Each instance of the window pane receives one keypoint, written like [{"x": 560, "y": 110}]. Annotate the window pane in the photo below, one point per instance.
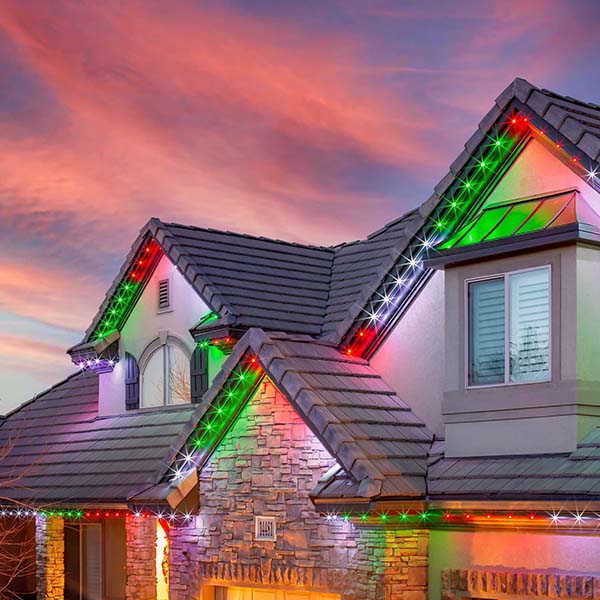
[
  {"x": 91, "y": 562},
  {"x": 530, "y": 325},
  {"x": 153, "y": 380},
  {"x": 179, "y": 376},
  {"x": 486, "y": 332}
]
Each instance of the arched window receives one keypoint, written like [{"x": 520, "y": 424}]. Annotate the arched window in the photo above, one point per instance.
[{"x": 165, "y": 363}]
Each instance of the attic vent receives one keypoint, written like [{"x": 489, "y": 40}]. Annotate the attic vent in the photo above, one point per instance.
[
  {"x": 164, "y": 299},
  {"x": 265, "y": 529}
]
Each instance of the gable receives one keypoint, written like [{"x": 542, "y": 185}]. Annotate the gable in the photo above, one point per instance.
[
  {"x": 539, "y": 171},
  {"x": 146, "y": 324},
  {"x": 373, "y": 434},
  {"x": 268, "y": 449},
  {"x": 147, "y": 320},
  {"x": 571, "y": 129}
]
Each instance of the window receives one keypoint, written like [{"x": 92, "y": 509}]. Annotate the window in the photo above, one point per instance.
[
  {"x": 94, "y": 556},
  {"x": 509, "y": 328},
  {"x": 167, "y": 363},
  {"x": 83, "y": 562}
]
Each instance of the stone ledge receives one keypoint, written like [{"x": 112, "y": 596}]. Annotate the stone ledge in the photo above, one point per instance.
[{"x": 539, "y": 584}]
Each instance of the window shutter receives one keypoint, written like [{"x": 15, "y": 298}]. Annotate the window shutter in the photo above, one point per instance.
[
  {"x": 530, "y": 325},
  {"x": 198, "y": 374},
  {"x": 132, "y": 382},
  {"x": 486, "y": 299}
]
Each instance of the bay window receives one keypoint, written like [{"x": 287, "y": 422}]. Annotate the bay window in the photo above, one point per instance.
[{"x": 509, "y": 328}]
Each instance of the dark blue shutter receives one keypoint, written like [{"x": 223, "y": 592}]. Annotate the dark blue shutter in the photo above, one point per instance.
[
  {"x": 199, "y": 374},
  {"x": 132, "y": 382}
]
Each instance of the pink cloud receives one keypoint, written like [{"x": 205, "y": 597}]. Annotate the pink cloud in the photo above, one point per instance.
[{"x": 50, "y": 297}]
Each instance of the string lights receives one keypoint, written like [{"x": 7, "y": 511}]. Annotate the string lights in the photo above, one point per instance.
[
  {"x": 81, "y": 514},
  {"x": 488, "y": 162},
  {"x": 128, "y": 290},
  {"x": 422, "y": 518},
  {"x": 222, "y": 343},
  {"x": 221, "y": 413},
  {"x": 99, "y": 365},
  {"x": 427, "y": 518}
]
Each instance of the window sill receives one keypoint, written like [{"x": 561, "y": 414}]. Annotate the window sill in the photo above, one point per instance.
[{"x": 505, "y": 384}]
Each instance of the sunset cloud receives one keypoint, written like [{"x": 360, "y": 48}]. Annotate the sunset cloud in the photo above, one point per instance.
[{"x": 309, "y": 121}]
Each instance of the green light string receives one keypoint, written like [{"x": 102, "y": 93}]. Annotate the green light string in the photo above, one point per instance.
[
  {"x": 470, "y": 188},
  {"x": 128, "y": 291},
  {"x": 427, "y": 518},
  {"x": 219, "y": 416}
]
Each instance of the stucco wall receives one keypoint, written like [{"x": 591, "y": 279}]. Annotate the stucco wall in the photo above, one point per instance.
[
  {"x": 513, "y": 551},
  {"x": 267, "y": 465},
  {"x": 143, "y": 327},
  {"x": 538, "y": 171},
  {"x": 412, "y": 358},
  {"x": 530, "y": 418}
]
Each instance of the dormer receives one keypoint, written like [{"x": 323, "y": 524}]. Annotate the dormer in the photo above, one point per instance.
[
  {"x": 146, "y": 342},
  {"x": 522, "y": 278},
  {"x": 186, "y": 295}
]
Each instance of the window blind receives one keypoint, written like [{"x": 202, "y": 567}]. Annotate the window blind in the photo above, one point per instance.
[
  {"x": 486, "y": 299},
  {"x": 530, "y": 325}
]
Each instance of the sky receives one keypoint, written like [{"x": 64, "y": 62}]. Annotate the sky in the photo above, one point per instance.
[{"x": 313, "y": 121}]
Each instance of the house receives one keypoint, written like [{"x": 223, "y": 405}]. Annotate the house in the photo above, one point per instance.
[{"x": 416, "y": 413}]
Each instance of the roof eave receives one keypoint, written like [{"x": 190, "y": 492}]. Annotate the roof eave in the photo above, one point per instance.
[{"x": 502, "y": 247}]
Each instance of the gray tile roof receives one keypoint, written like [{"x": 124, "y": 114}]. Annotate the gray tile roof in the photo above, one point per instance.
[
  {"x": 308, "y": 292},
  {"x": 320, "y": 290},
  {"x": 262, "y": 282},
  {"x": 60, "y": 450},
  {"x": 555, "y": 476},
  {"x": 371, "y": 432},
  {"x": 578, "y": 121},
  {"x": 358, "y": 267},
  {"x": 272, "y": 284}
]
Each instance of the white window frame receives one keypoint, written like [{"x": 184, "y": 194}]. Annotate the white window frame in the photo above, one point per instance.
[
  {"x": 505, "y": 275},
  {"x": 158, "y": 346}
]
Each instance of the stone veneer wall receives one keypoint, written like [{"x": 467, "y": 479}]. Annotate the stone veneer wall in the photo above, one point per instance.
[
  {"x": 50, "y": 558},
  {"x": 267, "y": 465},
  {"x": 141, "y": 558},
  {"x": 521, "y": 583}
]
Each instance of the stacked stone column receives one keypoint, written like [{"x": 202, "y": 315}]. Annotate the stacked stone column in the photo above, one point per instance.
[
  {"x": 50, "y": 557},
  {"x": 141, "y": 558}
]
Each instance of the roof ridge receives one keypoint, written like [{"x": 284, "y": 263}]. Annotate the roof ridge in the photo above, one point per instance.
[
  {"x": 334, "y": 434},
  {"x": 570, "y": 99},
  {"x": 245, "y": 235},
  {"x": 405, "y": 215}
]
